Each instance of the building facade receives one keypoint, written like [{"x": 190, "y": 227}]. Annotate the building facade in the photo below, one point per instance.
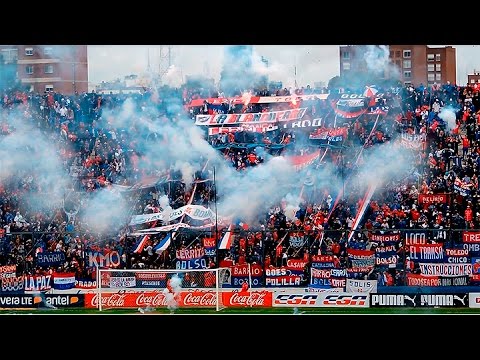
[
  {"x": 59, "y": 68},
  {"x": 411, "y": 64},
  {"x": 474, "y": 78}
]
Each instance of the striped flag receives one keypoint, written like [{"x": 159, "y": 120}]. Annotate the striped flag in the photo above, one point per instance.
[
  {"x": 226, "y": 241},
  {"x": 163, "y": 244},
  {"x": 140, "y": 244}
]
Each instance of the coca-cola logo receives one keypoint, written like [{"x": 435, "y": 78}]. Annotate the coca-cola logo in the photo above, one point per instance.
[
  {"x": 109, "y": 300},
  {"x": 149, "y": 299},
  {"x": 200, "y": 299},
  {"x": 252, "y": 299}
]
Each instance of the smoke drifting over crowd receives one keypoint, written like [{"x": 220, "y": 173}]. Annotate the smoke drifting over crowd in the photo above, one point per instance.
[{"x": 30, "y": 157}]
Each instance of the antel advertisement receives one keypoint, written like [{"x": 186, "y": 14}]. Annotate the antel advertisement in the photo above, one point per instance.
[
  {"x": 320, "y": 299},
  {"x": 419, "y": 300},
  {"x": 474, "y": 300},
  {"x": 30, "y": 301}
]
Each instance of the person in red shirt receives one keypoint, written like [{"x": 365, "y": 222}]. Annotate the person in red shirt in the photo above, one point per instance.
[{"x": 468, "y": 214}]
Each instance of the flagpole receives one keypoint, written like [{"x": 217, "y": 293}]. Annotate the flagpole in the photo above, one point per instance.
[{"x": 216, "y": 215}]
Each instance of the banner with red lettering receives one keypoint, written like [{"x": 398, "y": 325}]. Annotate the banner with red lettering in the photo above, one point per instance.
[
  {"x": 296, "y": 266},
  {"x": 238, "y": 100},
  {"x": 250, "y": 118},
  {"x": 444, "y": 269}
]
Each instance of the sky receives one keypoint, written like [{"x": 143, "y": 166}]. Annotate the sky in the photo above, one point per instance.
[{"x": 305, "y": 64}]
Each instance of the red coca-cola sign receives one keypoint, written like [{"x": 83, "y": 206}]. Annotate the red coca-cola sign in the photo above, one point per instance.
[
  {"x": 247, "y": 298},
  {"x": 197, "y": 298}
]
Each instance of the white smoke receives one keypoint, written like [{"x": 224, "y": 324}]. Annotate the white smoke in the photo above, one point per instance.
[
  {"x": 173, "y": 77},
  {"x": 172, "y": 296},
  {"x": 105, "y": 211},
  {"x": 292, "y": 206},
  {"x": 377, "y": 58},
  {"x": 447, "y": 114}
]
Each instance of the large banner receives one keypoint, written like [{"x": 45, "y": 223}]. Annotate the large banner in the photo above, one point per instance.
[
  {"x": 255, "y": 128},
  {"x": 422, "y": 280},
  {"x": 281, "y": 277},
  {"x": 361, "y": 258},
  {"x": 252, "y": 274},
  {"x": 432, "y": 253},
  {"x": 190, "y": 259},
  {"x": 38, "y": 282},
  {"x": 238, "y": 100},
  {"x": 444, "y": 269},
  {"x": 328, "y": 278},
  {"x": 413, "y": 141},
  {"x": 262, "y": 117},
  {"x": 103, "y": 261},
  {"x": 50, "y": 258},
  {"x": 196, "y": 212},
  {"x": 330, "y": 136},
  {"x": 63, "y": 281},
  {"x": 360, "y": 286},
  {"x": 427, "y": 199},
  {"x": 471, "y": 242}
]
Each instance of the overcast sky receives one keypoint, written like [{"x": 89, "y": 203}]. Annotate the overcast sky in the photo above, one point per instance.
[{"x": 313, "y": 63}]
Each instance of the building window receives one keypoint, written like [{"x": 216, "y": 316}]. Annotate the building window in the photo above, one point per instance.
[
  {"x": 48, "y": 69},
  {"x": 47, "y": 50},
  {"x": 391, "y": 54},
  {"x": 29, "y": 51},
  {"x": 407, "y": 74},
  {"x": 438, "y": 57},
  {"x": 431, "y": 77},
  {"x": 346, "y": 55},
  {"x": 10, "y": 55},
  {"x": 48, "y": 88},
  {"x": 397, "y": 53},
  {"x": 472, "y": 81},
  {"x": 431, "y": 67},
  {"x": 407, "y": 54},
  {"x": 438, "y": 67},
  {"x": 430, "y": 57},
  {"x": 29, "y": 69},
  {"x": 407, "y": 64},
  {"x": 346, "y": 66},
  {"x": 438, "y": 77},
  {"x": 398, "y": 62}
]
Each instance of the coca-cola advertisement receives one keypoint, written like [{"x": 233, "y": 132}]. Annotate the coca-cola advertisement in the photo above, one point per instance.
[
  {"x": 247, "y": 298},
  {"x": 124, "y": 299}
]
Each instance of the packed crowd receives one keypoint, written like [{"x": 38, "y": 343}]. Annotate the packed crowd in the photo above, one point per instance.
[{"x": 99, "y": 151}]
